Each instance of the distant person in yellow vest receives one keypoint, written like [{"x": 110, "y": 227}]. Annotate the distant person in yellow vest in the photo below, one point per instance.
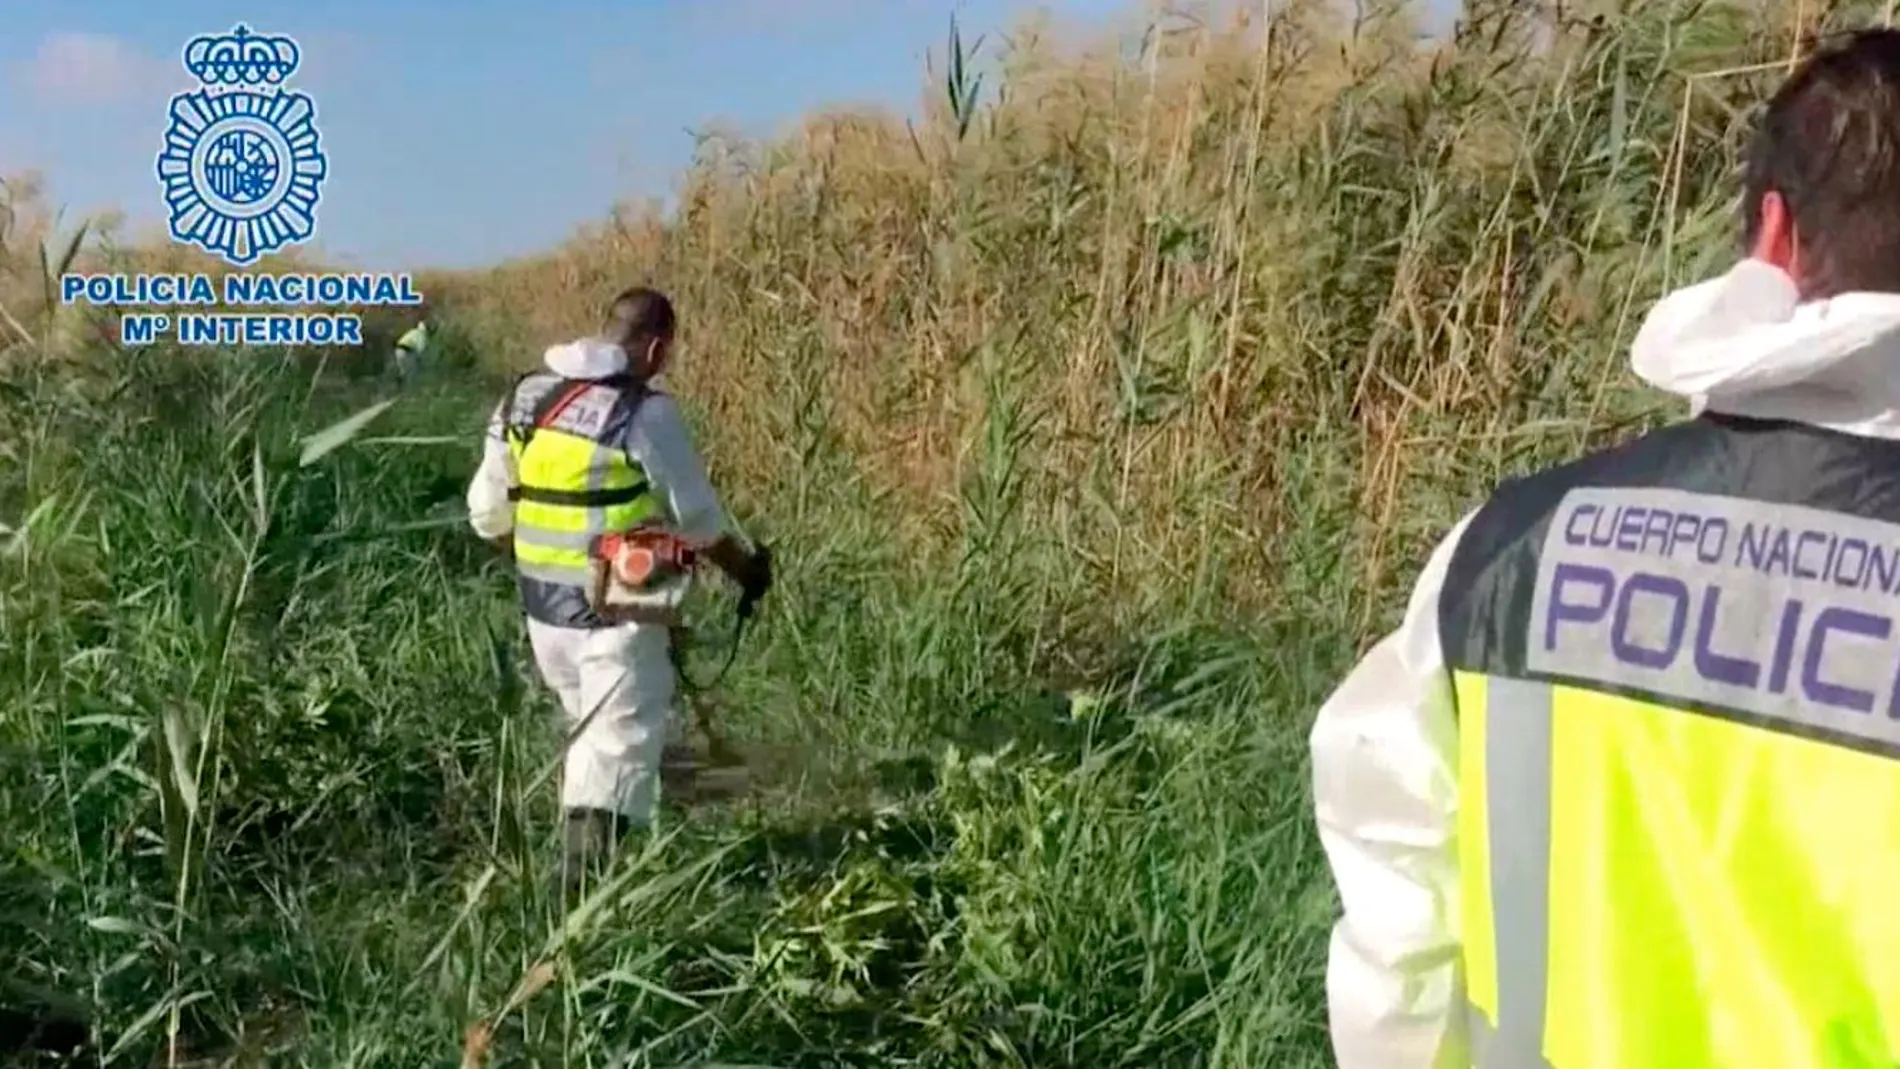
[
  {"x": 582, "y": 447},
  {"x": 1623, "y": 790},
  {"x": 410, "y": 349}
]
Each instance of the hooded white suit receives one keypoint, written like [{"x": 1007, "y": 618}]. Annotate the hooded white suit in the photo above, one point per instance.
[
  {"x": 1384, "y": 746},
  {"x": 618, "y": 679}
]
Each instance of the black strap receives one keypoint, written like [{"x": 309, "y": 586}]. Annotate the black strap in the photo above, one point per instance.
[
  {"x": 742, "y": 615},
  {"x": 585, "y": 499},
  {"x": 676, "y": 649}
]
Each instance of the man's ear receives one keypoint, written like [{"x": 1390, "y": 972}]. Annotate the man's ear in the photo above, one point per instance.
[{"x": 1775, "y": 240}]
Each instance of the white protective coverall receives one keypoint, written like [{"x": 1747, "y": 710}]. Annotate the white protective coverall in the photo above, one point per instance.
[
  {"x": 1384, "y": 746},
  {"x": 625, "y": 670}
]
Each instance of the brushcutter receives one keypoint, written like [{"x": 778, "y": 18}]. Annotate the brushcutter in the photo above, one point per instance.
[
  {"x": 623, "y": 566},
  {"x": 628, "y": 564}
]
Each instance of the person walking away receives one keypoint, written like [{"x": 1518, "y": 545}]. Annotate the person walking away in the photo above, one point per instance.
[
  {"x": 409, "y": 350},
  {"x": 584, "y": 446},
  {"x": 1622, "y": 789}
]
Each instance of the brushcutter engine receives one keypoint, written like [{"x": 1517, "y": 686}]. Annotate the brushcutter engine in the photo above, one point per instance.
[
  {"x": 627, "y": 564},
  {"x": 648, "y": 555}
]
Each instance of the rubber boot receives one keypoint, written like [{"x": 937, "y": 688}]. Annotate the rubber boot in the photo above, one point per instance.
[{"x": 588, "y": 843}]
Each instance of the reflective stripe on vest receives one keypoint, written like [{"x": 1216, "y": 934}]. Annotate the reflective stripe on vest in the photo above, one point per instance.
[
  {"x": 1504, "y": 851},
  {"x": 1676, "y": 667},
  {"x": 573, "y": 488}
]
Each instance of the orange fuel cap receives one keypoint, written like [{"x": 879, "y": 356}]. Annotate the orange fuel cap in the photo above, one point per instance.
[{"x": 633, "y": 563}]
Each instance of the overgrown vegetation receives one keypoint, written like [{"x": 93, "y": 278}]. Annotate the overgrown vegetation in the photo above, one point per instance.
[{"x": 1096, "y": 421}]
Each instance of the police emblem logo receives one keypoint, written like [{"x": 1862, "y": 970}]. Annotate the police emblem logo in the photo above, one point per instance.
[{"x": 241, "y": 167}]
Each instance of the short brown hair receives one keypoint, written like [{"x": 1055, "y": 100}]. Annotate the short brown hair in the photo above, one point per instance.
[
  {"x": 638, "y": 315},
  {"x": 1829, "y": 143}
]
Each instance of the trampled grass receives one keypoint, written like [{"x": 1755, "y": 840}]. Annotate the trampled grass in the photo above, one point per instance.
[{"x": 1095, "y": 429}]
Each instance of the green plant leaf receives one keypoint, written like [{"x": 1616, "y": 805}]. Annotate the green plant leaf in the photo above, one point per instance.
[{"x": 338, "y": 434}]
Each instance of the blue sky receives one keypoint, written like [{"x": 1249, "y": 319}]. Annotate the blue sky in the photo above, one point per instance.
[{"x": 463, "y": 131}]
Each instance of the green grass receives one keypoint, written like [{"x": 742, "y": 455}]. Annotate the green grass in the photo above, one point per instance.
[{"x": 277, "y": 772}]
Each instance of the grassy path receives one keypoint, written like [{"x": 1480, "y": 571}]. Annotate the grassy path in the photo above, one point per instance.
[{"x": 276, "y": 775}]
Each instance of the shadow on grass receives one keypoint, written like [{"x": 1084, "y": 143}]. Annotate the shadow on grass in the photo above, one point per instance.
[{"x": 38, "y": 1028}]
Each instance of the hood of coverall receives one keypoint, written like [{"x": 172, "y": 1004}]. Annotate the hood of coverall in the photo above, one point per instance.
[
  {"x": 588, "y": 358},
  {"x": 1745, "y": 344},
  {"x": 591, "y": 358}
]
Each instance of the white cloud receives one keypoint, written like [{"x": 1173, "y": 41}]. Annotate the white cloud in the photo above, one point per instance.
[{"x": 90, "y": 68}]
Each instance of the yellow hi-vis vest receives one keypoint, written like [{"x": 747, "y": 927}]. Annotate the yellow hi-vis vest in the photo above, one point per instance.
[
  {"x": 415, "y": 339},
  {"x": 1675, "y": 669},
  {"x": 575, "y": 478}
]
